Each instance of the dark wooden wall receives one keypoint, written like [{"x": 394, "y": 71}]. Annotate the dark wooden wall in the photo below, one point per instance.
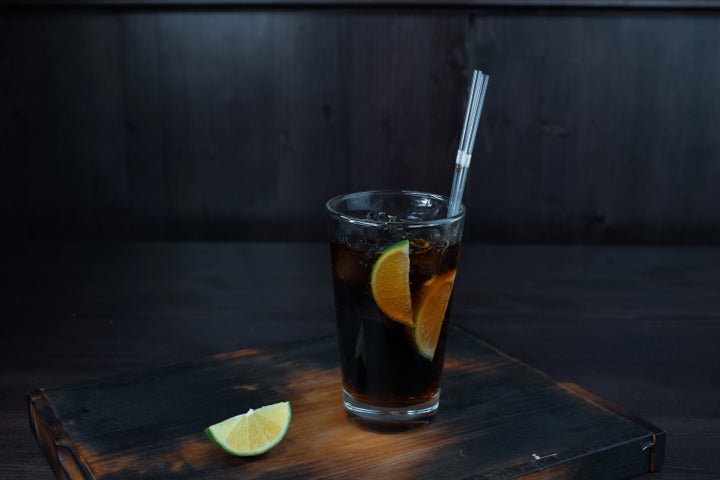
[{"x": 237, "y": 122}]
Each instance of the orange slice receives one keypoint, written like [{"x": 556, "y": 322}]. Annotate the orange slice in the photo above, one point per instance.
[
  {"x": 431, "y": 304},
  {"x": 390, "y": 283}
]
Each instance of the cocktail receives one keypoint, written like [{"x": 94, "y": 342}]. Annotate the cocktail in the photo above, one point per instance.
[{"x": 394, "y": 261}]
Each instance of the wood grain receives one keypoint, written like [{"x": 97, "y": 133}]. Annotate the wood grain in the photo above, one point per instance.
[
  {"x": 580, "y": 140},
  {"x": 189, "y": 124},
  {"x": 335, "y": 4},
  {"x": 499, "y": 419},
  {"x": 638, "y": 326},
  {"x": 162, "y": 122}
]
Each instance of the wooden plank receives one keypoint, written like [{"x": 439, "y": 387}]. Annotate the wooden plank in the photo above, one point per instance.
[
  {"x": 238, "y": 123},
  {"x": 233, "y": 125},
  {"x": 499, "y": 419},
  {"x": 582, "y": 140},
  {"x": 377, "y": 4}
]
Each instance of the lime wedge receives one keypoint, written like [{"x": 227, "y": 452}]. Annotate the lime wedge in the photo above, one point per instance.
[{"x": 254, "y": 432}]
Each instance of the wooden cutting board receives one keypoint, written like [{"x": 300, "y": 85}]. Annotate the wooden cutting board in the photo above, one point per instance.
[{"x": 498, "y": 419}]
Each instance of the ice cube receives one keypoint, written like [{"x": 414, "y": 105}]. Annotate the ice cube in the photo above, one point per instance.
[{"x": 381, "y": 217}]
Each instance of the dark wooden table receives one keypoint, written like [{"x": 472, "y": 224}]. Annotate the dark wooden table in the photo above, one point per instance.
[{"x": 637, "y": 326}]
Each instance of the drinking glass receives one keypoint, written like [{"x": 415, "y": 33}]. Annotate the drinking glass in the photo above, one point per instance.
[{"x": 394, "y": 258}]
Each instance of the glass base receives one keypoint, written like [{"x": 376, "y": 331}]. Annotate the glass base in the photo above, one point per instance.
[{"x": 390, "y": 419}]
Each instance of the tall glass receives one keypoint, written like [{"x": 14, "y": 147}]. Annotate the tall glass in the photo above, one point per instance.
[{"x": 394, "y": 258}]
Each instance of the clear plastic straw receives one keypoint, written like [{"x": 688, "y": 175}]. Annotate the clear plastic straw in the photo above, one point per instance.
[{"x": 476, "y": 98}]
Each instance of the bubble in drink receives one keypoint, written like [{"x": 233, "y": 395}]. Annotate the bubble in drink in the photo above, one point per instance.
[{"x": 382, "y": 217}]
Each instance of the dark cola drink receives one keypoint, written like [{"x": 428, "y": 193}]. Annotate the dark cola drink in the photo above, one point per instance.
[
  {"x": 394, "y": 258},
  {"x": 380, "y": 362}
]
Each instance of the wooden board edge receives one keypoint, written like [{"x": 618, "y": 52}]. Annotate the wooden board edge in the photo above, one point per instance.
[
  {"x": 68, "y": 464},
  {"x": 54, "y": 442},
  {"x": 658, "y": 436},
  {"x": 613, "y": 463},
  {"x": 59, "y": 449},
  {"x": 178, "y": 365}
]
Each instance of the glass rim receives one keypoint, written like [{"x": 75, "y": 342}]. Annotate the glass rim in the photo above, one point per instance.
[{"x": 409, "y": 223}]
